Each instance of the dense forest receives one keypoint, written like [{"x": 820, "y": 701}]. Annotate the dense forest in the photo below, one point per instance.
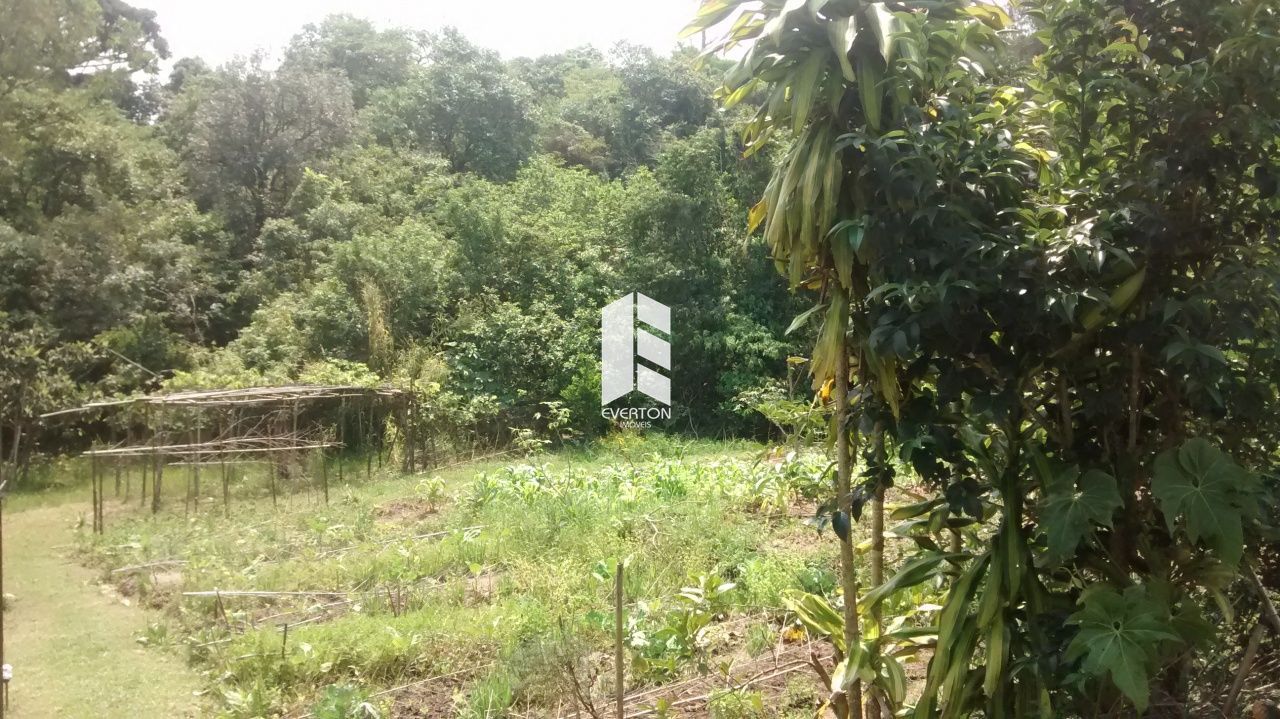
[{"x": 381, "y": 206}]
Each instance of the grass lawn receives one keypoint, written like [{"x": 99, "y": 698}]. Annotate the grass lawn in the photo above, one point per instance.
[{"x": 73, "y": 646}]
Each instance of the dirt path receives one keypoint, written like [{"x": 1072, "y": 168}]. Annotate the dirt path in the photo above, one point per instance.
[{"x": 72, "y": 646}]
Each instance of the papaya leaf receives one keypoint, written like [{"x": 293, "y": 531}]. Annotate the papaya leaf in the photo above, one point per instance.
[
  {"x": 1201, "y": 485},
  {"x": 1073, "y": 505},
  {"x": 1118, "y": 636}
]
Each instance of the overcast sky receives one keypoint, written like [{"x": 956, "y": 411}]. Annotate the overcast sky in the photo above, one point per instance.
[{"x": 218, "y": 31}]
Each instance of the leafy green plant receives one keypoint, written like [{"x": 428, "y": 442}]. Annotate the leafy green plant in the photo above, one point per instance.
[
  {"x": 737, "y": 704},
  {"x": 432, "y": 489},
  {"x": 345, "y": 701},
  {"x": 665, "y": 637}
]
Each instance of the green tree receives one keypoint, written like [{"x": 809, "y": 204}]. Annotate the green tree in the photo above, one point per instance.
[
  {"x": 369, "y": 58},
  {"x": 464, "y": 105},
  {"x": 254, "y": 132}
]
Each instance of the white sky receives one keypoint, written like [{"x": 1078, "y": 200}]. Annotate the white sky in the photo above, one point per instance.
[{"x": 219, "y": 31}]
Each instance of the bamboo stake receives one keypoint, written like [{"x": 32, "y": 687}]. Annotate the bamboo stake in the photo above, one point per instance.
[
  {"x": 156, "y": 479},
  {"x": 158, "y": 474},
  {"x": 619, "y": 687},
  {"x": 222, "y": 593},
  {"x": 226, "y": 481},
  {"x": 93, "y": 484},
  {"x": 367, "y": 434},
  {"x": 4, "y": 684},
  {"x": 324, "y": 475},
  {"x": 196, "y": 466}
]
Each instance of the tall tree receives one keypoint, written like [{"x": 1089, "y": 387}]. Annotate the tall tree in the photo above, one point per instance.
[
  {"x": 253, "y": 132},
  {"x": 369, "y": 58},
  {"x": 464, "y": 105}
]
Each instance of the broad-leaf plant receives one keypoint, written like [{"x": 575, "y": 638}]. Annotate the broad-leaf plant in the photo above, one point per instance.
[{"x": 1042, "y": 241}]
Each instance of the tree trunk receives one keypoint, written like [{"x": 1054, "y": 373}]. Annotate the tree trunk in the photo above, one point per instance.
[
  {"x": 844, "y": 499},
  {"x": 874, "y": 698}
]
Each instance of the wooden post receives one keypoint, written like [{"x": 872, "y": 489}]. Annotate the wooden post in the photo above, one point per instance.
[
  {"x": 95, "y": 477},
  {"x": 196, "y": 467},
  {"x": 619, "y": 686},
  {"x": 324, "y": 474},
  {"x": 410, "y": 442},
  {"x": 296, "y": 455},
  {"x": 272, "y": 464},
  {"x": 102, "y": 499},
  {"x": 342, "y": 434},
  {"x": 93, "y": 484},
  {"x": 4, "y": 684},
  {"x": 367, "y": 435},
  {"x": 226, "y": 481},
  {"x": 156, "y": 479}
]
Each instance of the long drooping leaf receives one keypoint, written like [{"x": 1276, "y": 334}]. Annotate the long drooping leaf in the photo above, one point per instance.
[
  {"x": 832, "y": 340},
  {"x": 886, "y": 25},
  {"x": 870, "y": 72},
  {"x": 912, "y": 573},
  {"x": 818, "y": 616},
  {"x": 841, "y": 32},
  {"x": 804, "y": 88},
  {"x": 710, "y": 13}
]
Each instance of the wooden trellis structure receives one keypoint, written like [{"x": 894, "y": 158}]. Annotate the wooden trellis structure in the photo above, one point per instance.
[{"x": 199, "y": 430}]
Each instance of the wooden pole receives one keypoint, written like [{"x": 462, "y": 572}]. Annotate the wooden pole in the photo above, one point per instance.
[
  {"x": 196, "y": 466},
  {"x": 324, "y": 474},
  {"x": 295, "y": 457},
  {"x": 226, "y": 481},
  {"x": 95, "y": 475},
  {"x": 342, "y": 434},
  {"x": 93, "y": 484},
  {"x": 367, "y": 434},
  {"x": 619, "y": 685},
  {"x": 4, "y": 485},
  {"x": 409, "y": 439},
  {"x": 4, "y": 684}
]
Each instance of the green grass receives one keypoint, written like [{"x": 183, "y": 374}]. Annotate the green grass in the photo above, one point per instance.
[
  {"x": 512, "y": 603},
  {"x": 74, "y": 649}
]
